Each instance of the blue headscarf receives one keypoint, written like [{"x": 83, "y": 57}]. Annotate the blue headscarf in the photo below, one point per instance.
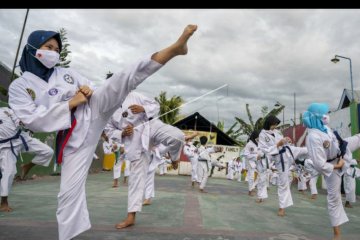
[
  {"x": 312, "y": 117},
  {"x": 28, "y": 62}
]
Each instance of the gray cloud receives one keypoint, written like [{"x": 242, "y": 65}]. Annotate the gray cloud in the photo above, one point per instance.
[{"x": 263, "y": 55}]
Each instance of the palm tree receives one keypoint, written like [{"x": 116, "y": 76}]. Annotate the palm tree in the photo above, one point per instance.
[
  {"x": 167, "y": 113},
  {"x": 247, "y": 128}
]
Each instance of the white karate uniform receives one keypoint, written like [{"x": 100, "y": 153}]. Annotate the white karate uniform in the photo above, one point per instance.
[
  {"x": 267, "y": 143},
  {"x": 192, "y": 153},
  {"x": 250, "y": 154},
  {"x": 239, "y": 166},
  {"x": 155, "y": 159},
  {"x": 322, "y": 147},
  {"x": 43, "y": 107},
  {"x": 120, "y": 160},
  {"x": 204, "y": 164},
  {"x": 350, "y": 182},
  {"x": 9, "y": 127},
  {"x": 351, "y": 171},
  {"x": 231, "y": 169},
  {"x": 148, "y": 131}
]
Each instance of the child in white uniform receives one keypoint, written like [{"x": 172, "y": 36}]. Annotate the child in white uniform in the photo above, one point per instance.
[{"x": 12, "y": 142}]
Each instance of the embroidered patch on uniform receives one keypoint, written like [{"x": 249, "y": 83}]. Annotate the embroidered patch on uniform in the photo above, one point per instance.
[
  {"x": 326, "y": 144},
  {"x": 125, "y": 114},
  {"x": 31, "y": 93},
  {"x": 251, "y": 149},
  {"x": 53, "y": 92},
  {"x": 68, "y": 79},
  {"x": 267, "y": 139}
]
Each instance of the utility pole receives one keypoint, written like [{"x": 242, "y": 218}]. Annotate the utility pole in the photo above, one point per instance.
[
  {"x": 17, "y": 51},
  {"x": 294, "y": 127}
]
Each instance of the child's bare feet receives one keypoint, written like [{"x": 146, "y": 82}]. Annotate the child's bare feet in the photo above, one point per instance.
[
  {"x": 259, "y": 200},
  {"x": 281, "y": 212},
  {"x": 348, "y": 205},
  {"x": 129, "y": 221},
  {"x": 147, "y": 202},
  {"x": 203, "y": 191},
  {"x": 4, "y": 207},
  {"x": 314, "y": 196},
  {"x": 116, "y": 183},
  {"x": 25, "y": 168}
]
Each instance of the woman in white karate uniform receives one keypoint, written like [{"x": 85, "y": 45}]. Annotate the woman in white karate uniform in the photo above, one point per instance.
[
  {"x": 48, "y": 98},
  {"x": 12, "y": 142},
  {"x": 277, "y": 148},
  {"x": 324, "y": 150}
]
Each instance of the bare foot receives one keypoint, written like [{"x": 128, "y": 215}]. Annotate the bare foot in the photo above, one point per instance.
[
  {"x": 203, "y": 191},
  {"x": 348, "y": 205},
  {"x": 180, "y": 47},
  {"x": 129, "y": 221},
  {"x": 281, "y": 212},
  {"x": 25, "y": 168},
  {"x": 314, "y": 196},
  {"x": 115, "y": 186},
  {"x": 193, "y": 184},
  {"x": 259, "y": 200},
  {"x": 337, "y": 234},
  {"x": 5, "y": 208},
  {"x": 147, "y": 202}
]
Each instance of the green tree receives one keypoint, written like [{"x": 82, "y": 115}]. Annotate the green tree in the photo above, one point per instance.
[
  {"x": 64, "y": 51},
  {"x": 220, "y": 125},
  {"x": 167, "y": 106},
  {"x": 246, "y": 128}
]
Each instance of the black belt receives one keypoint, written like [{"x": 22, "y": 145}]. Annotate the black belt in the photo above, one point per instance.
[
  {"x": 283, "y": 150},
  {"x": 332, "y": 159},
  {"x": 16, "y": 136}
]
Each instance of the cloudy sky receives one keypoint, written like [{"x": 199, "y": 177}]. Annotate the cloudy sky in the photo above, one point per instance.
[{"x": 264, "y": 56}]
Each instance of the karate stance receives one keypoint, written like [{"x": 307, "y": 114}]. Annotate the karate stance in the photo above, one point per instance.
[
  {"x": 324, "y": 150},
  {"x": 48, "y": 98},
  {"x": 12, "y": 142}
]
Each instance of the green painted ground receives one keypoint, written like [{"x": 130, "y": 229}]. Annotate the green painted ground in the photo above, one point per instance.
[{"x": 178, "y": 212}]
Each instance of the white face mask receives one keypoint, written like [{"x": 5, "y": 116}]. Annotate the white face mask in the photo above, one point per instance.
[
  {"x": 48, "y": 58},
  {"x": 325, "y": 119}
]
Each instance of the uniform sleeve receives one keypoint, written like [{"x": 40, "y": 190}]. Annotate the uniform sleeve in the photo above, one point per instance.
[
  {"x": 14, "y": 118},
  {"x": 266, "y": 147},
  {"x": 299, "y": 152},
  {"x": 112, "y": 131},
  {"x": 318, "y": 155},
  {"x": 188, "y": 152},
  {"x": 38, "y": 118},
  {"x": 115, "y": 89},
  {"x": 250, "y": 155},
  {"x": 107, "y": 149},
  {"x": 151, "y": 107},
  {"x": 216, "y": 164}
]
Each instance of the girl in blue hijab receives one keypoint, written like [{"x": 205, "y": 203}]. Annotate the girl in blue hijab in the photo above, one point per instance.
[
  {"x": 312, "y": 118},
  {"x": 40, "y": 62}
]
